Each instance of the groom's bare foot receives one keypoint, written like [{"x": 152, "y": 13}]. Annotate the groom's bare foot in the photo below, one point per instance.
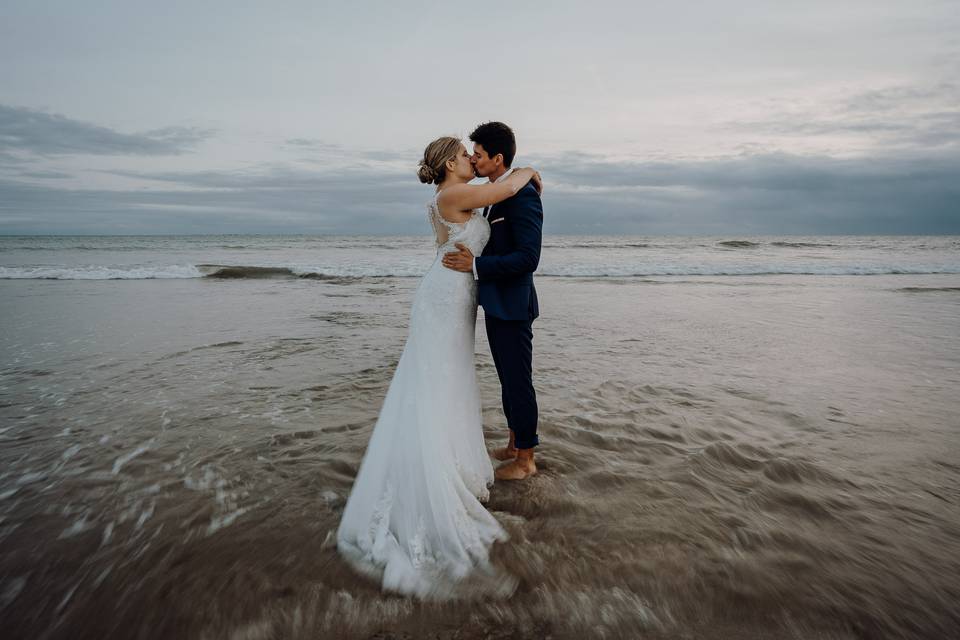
[
  {"x": 520, "y": 468},
  {"x": 508, "y": 452},
  {"x": 505, "y": 453}
]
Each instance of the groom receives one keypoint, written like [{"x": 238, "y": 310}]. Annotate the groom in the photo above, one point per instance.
[{"x": 505, "y": 290}]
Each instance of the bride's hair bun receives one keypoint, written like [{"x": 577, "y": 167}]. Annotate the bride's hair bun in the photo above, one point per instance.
[
  {"x": 433, "y": 165},
  {"x": 425, "y": 173}
]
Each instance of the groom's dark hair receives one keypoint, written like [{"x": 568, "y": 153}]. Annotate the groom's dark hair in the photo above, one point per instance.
[{"x": 496, "y": 137}]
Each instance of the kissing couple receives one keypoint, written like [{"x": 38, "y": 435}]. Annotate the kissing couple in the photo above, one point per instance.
[{"x": 415, "y": 520}]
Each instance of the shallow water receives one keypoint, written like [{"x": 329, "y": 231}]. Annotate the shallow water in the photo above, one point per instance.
[{"x": 754, "y": 457}]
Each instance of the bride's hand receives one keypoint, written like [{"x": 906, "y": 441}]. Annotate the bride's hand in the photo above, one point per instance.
[{"x": 537, "y": 181}]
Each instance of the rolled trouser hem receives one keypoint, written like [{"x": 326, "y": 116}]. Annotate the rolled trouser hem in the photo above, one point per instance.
[{"x": 529, "y": 443}]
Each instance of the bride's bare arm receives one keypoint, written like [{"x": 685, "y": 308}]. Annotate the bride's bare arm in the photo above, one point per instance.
[{"x": 472, "y": 196}]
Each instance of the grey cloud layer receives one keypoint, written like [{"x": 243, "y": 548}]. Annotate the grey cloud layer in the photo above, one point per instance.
[
  {"x": 274, "y": 201},
  {"x": 756, "y": 194},
  {"x": 911, "y": 187},
  {"x": 762, "y": 194},
  {"x": 42, "y": 133}
]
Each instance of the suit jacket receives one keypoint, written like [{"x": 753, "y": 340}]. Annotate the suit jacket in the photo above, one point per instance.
[{"x": 505, "y": 268}]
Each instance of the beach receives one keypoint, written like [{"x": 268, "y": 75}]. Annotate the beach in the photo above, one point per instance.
[{"x": 740, "y": 437}]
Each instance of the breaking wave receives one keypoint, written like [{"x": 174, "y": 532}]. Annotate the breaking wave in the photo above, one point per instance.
[
  {"x": 802, "y": 245},
  {"x": 352, "y": 272},
  {"x": 100, "y": 272},
  {"x": 738, "y": 244}
]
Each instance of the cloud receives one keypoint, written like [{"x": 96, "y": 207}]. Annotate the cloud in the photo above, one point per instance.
[
  {"x": 758, "y": 194},
  {"x": 272, "y": 200},
  {"x": 742, "y": 195},
  {"x": 319, "y": 152},
  {"x": 42, "y": 133},
  {"x": 313, "y": 145},
  {"x": 277, "y": 177},
  {"x": 45, "y": 175},
  {"x": 924, "y": 117}
]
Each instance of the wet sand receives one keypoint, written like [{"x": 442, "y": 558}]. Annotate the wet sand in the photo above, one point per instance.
[{"x": 749, "y": 457}]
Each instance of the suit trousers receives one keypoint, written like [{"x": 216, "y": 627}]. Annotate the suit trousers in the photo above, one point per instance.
[{"x": 511, "y": 344}]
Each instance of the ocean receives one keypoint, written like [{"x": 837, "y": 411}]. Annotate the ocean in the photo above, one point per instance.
[
  {"x": 750, "y": 437},
  {"x": 146, "y": 257}
]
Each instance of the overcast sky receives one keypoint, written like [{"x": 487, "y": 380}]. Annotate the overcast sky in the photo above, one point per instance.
[{"x": 737, "y": 117}]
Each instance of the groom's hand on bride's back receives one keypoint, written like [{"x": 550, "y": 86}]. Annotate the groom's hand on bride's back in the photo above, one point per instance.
[{"x": 461, "y": 260}]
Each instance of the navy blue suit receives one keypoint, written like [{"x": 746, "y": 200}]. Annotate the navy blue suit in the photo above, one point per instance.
[{"x": 505, "y": 291}]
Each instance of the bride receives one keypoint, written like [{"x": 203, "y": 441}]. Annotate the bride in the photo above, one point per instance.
[{"x": 414, "y": 519}]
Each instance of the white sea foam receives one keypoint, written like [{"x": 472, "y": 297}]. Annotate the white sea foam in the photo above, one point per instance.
[
  {"x": 570, "y": 270},
  {"x": 145, "y": 515},
  {"x": 124, "y": 459},
  {"x": 107, "y": 533},
  {"x": 627, "y": 271},
  {"x": 219, "y": 522},
  {"x": 71, "y": 451},
  {"x": 78, "y": 527},
  {"x": 99, "y": 272},
  {"x": 30, "y": 477}
]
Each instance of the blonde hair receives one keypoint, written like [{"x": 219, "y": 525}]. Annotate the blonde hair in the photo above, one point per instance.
[{"x": 433, "y": 164}]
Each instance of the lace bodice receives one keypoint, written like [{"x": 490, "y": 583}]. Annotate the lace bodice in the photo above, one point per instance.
[{"x": 474, "y": 232}]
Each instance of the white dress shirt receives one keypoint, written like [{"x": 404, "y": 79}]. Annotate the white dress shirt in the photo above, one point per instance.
[{"x": 505, "y": 175}]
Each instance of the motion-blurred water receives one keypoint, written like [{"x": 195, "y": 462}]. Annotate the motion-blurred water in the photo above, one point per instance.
[{"x": 750, "y": 456}]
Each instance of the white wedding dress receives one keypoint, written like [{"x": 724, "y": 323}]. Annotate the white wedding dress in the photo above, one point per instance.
[{"x": 414, "y": 519}]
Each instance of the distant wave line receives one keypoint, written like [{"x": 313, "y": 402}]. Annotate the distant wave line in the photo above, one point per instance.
[{"x": 216, "y": 271}]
